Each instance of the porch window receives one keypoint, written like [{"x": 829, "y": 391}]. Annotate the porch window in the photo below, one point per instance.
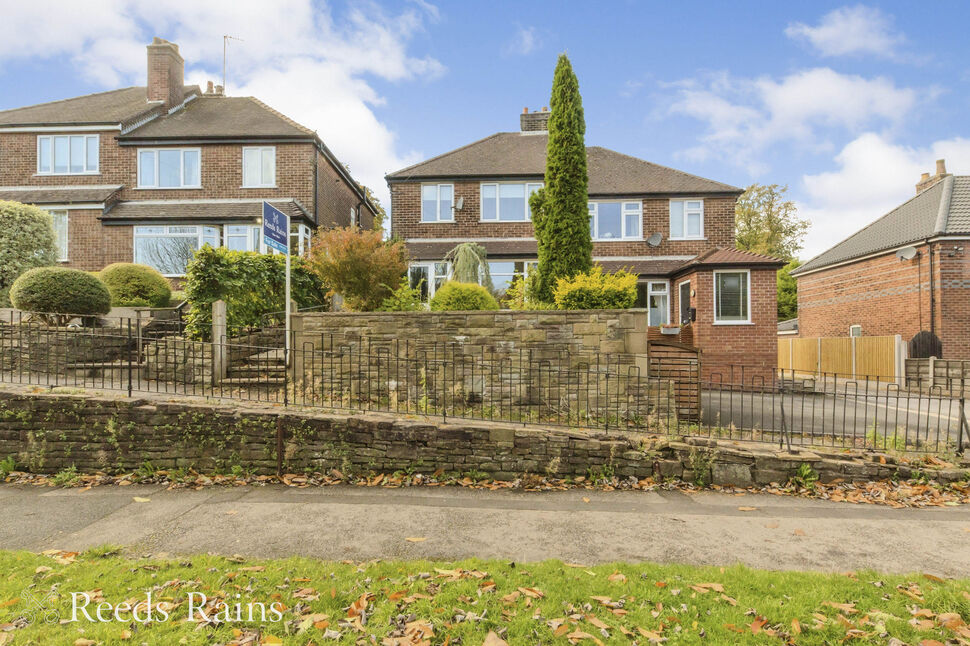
[
  {"x": 686, "y": 219},
  {"x": 658, "y": 312},
  {"x": 684, "y": 298},
  {"x": 732, "y": 297},
  {"x": 436, "y": 201}
]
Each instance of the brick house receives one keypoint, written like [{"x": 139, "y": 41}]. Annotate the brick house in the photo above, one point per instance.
[
  {"x": 149, "y": 174},
  {"x": 906, "y": 272},
  {"x": 673, "y": 229}
]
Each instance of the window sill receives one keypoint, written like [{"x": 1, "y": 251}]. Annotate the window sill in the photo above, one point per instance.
[
  {"x": 168, "y": 188},
  {"x": 89, "y": 174},
  {"x": 437, "y": 221},
  {"x": 267, "y": 186},
  {"x": 617, "y": 239},
  {"x": 685, "y": 239},
  {"x": 528, "y": 221},
  {"x": 732, "y": 323}
]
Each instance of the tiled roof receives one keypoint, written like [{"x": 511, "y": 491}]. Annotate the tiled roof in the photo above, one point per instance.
[
  {"x": 223, "y": 116},
  {"x": 112, "y": 107},
  {"x": 942, "y": 209},
  {"x": 514, "y": 154},
  {"x": 723, "y": 257},
  {"x": 643, "y": 267},
  {"x": 57, "y": 194},
  {"x": 198, "y": 210}
]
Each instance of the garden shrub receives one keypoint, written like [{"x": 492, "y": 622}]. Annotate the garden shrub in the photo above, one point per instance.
[
  {"x": 134, "y": 285},
  {"x": 59, "y": 291},
  {"x": 403, "y": 299},
  {"x": 456, "y": 297},
  {"x": 26, "y": 241},
  {"x": 358, "y": 264},
  {"x": 596, "y": 290},
  {"x": 520, "y": 294},
  {"x": 252, "y": 285}
]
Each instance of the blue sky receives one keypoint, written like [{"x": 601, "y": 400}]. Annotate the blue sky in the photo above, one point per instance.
[{"x": 844, "y": 103}]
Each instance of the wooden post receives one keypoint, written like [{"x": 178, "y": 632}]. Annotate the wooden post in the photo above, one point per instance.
[
  {"x": 220, "y": 366},
  {"x": 900, "y": 360}
]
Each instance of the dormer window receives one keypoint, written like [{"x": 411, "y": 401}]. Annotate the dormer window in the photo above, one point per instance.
[{"x": 67, "y": 155}]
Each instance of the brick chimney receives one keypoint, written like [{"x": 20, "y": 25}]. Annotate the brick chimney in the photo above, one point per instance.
[
  {"x": 166, "y": 73},
  {"x": 926, "y": 181},
  {"x": 537, "y": 121}
]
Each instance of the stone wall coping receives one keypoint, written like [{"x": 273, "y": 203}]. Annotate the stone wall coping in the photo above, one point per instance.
[{"x": 464, "y": 313}]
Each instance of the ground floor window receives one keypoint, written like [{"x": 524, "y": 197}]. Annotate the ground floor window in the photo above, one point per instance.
[
  {"x": 684, "y": 298},
  {"x": 505, "y": 271},
  {"x": 732, "y": 297},
  {"x": 657, "y": 303},
  {"x": 60, "y": 234},
  {"x": 428, "y": 277}
]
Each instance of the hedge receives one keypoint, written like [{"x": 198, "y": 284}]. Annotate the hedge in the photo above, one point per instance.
[
  {"x": 134, "y": 285},
  {"x": 454, "y": 297},
  {"x": 59, "y": 291}
]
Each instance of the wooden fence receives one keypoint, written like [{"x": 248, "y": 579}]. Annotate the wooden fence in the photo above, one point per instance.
[{"x": 854, "y": 357}]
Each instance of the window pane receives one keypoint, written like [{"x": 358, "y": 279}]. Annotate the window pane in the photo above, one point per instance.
[
  {"x": 632, "y": 224},
  {"x": 676, "y": 219},
  {"x": 489, "y": 202},
  {"x": 191, "y": 161},
  {"x": 732, "y": 296},
  {"x": 694, "y": 205},
  {"x": 169, "y": 255},
  {"x": 684, "y": 303},
  {"x": 511, "y": 202},
  {"x": 657, "y": 306},
  {"x": 658, "y": 287},
  {"x": 62, "y": 154},
  {"x": 429, "y": 203},
  {"x": 609, "y": 222},
  {"x": 91, "y": 144},
  {"x": 418, "y": 275},
  {"x": 77, "y": 154},
  {"x": 445, "y": 195},
  {"x": 169, "y": 168},
  {"x": 44, "y": 155},
  {"x": 694, "y": 225},
  {"x": 60, "y": 233},
  {"x": 146, "y": 168},
  {"x": 530, "y": 189},
  {"x": 268, "y": 177},
  {"x": 250, "y": 167}
]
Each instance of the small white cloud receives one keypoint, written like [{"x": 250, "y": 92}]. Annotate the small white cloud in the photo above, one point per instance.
[
  {"x": 873, "y": 176},
  {"x": 525, "y": 42},
  {"x": 850, "y": 30}
]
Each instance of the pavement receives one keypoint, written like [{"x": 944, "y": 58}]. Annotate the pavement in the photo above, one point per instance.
[{"x": 577, "y": 526}]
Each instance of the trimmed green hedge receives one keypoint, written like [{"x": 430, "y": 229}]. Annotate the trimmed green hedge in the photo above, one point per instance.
[
  {"x": 59, "y": 290},
  {"x": 134, "y": 285},
  {"x": 456, "y": 297}
]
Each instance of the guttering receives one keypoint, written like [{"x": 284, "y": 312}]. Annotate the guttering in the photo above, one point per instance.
[
  {"x": 62, "y": 128},
  {"x": 876, "y": 254}
]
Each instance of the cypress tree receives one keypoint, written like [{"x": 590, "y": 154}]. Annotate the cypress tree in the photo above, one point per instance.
[{"x": 559, "y": 211}]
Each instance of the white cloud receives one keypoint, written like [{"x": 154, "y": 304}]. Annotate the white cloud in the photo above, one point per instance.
[
  {"x": 874, "y": 176},
  {"x": 850, "y": 30},
  {"x": 744, "y": 116},
  {"x": 293, "y": 54},
  {"x": 525, "y": 41}
]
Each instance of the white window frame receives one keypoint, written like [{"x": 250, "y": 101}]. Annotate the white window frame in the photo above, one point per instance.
[
  {"x": 62, "y": 250},
  {"x": 432, "y": 274},
  {"x": 686, "y": 236},
  {"x": 856, "y": 326},
  {"x": 48, "y": 141},
  {"x": 527, "y": 268},
  {"x": 259, "y": 149},
  {"x": 717, "y": 321},
  {"x": 449, "y": 217},
  {"x": 593, "y": 209},
  {"x": 679, "y": 299},
  {"x": 652, "y": 292},
  {"x": 200, "y": 235},
  {"x": 530, "y": 188},
  {"x": 154, "y": 186}
]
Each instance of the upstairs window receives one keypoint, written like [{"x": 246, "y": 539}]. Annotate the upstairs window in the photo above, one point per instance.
[
  {"x": 259, "y": 167},
  {"x": 732, "y": 297},
  {"x": 436, "y": 201},
  {"x": 615, "y": 220},
  {"x": 169, "y": 168},
  {"x": 67, "y": 155},
  {"x": 686, "y": 219},
  {"x": 507, "y": 202}
]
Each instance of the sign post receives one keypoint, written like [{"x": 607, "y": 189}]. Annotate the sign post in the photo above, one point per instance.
[{"x": 276, "y": 234}]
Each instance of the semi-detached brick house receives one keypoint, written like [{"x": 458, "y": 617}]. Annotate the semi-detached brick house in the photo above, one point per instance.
[
  {"x": 673, "y": 229},
  {"x": 149, "y": 174},
  {"x": 909, "y": 271}
]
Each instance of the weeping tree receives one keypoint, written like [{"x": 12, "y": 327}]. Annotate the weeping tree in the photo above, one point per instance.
[
  {"x": 560, "y": 214},
  {"x": 469, "y": 263}
]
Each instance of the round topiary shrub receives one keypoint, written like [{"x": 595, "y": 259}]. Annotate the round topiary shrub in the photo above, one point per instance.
[
  {"x": 58, "y": 292},
  {"x": 455, "y": 297},
  {"x": 134, "y": 285}
]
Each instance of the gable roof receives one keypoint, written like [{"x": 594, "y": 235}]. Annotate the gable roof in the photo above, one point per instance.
[
  {"x": 221, "y": 117},
  {"x": 517, "y": 154},
  {"x": 111, "y": 107},
  {"x": 942, "y": 209}
]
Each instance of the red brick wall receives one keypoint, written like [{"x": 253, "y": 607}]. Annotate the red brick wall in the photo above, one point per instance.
[
  {"x": 953, "y": 278},
  {"x": 406, "y": 223},
  {"x": 18, "y": 161},
  {"x": 91, "y": 246},
  {"x": 725, "y": 348},
  {"x": 336, "y": 198}
]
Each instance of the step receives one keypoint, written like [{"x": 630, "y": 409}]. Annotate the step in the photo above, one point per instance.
[
  {"x": 253, "y": 381},
  {"x": 255, "y": 372}
]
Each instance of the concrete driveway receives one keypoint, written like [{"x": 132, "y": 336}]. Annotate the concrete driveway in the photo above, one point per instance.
[{"x": 345, "y": 522}]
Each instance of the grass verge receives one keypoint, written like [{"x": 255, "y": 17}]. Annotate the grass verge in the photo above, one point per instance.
[{"x": 421, "y": 602}]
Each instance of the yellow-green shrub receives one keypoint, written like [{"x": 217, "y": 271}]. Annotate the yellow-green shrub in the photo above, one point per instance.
[
  {"x": 596, "y": 290},
  {"x": 456, "y": 297}
]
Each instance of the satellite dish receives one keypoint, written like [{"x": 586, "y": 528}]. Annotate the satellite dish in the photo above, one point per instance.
[
  {"x": 459, "y": 204},
  {"x": 907, "y": 253},
  {"x": 655, "y": 239}
]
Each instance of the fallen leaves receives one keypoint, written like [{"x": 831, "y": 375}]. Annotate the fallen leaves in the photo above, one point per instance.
[
  {"x": 60, "y": 556},
  {"x": 140, "y": 499},
  {"x": 416, "y": 539}
]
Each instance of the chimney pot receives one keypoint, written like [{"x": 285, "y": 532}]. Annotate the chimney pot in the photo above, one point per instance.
[
  {"x": 208, "y": 88},
  {"x": 525, "y": 110},
  {"x": 941, "y": 167},
  {"x": 545, "y": 109},
  {"x": 924, "y": 177},
  {"x": 166, "y": 73},
  {"x": 219, "y": 90}
]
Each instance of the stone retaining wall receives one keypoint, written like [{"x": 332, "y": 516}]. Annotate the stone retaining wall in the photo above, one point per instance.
[{"x": 47, "y": 432}]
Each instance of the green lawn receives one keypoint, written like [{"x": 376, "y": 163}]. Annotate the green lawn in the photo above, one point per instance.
[{"x": 420, "y": 602}]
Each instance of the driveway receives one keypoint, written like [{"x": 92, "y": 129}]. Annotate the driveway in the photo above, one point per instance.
[{"x": 345, "y": 522}]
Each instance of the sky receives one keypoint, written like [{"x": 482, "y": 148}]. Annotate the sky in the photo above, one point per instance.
[{"x": 846, "y": 104}]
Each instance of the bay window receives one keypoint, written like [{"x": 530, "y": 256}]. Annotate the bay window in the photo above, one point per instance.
[
  {"x": 507, "y": 202},
  {"x": 169, "y": 248},
  {"x": 732, "y": 297},
  {"x": 60, "y": 234},
  {"x": 615, "y": 220},
  {"x": 169, "y": 168},
  {"x": 67, "y": 155},
  {"x": 259, "y": 167},
  {"x": 436, "y": 201},
  {"x": 686, "y": 219}
]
